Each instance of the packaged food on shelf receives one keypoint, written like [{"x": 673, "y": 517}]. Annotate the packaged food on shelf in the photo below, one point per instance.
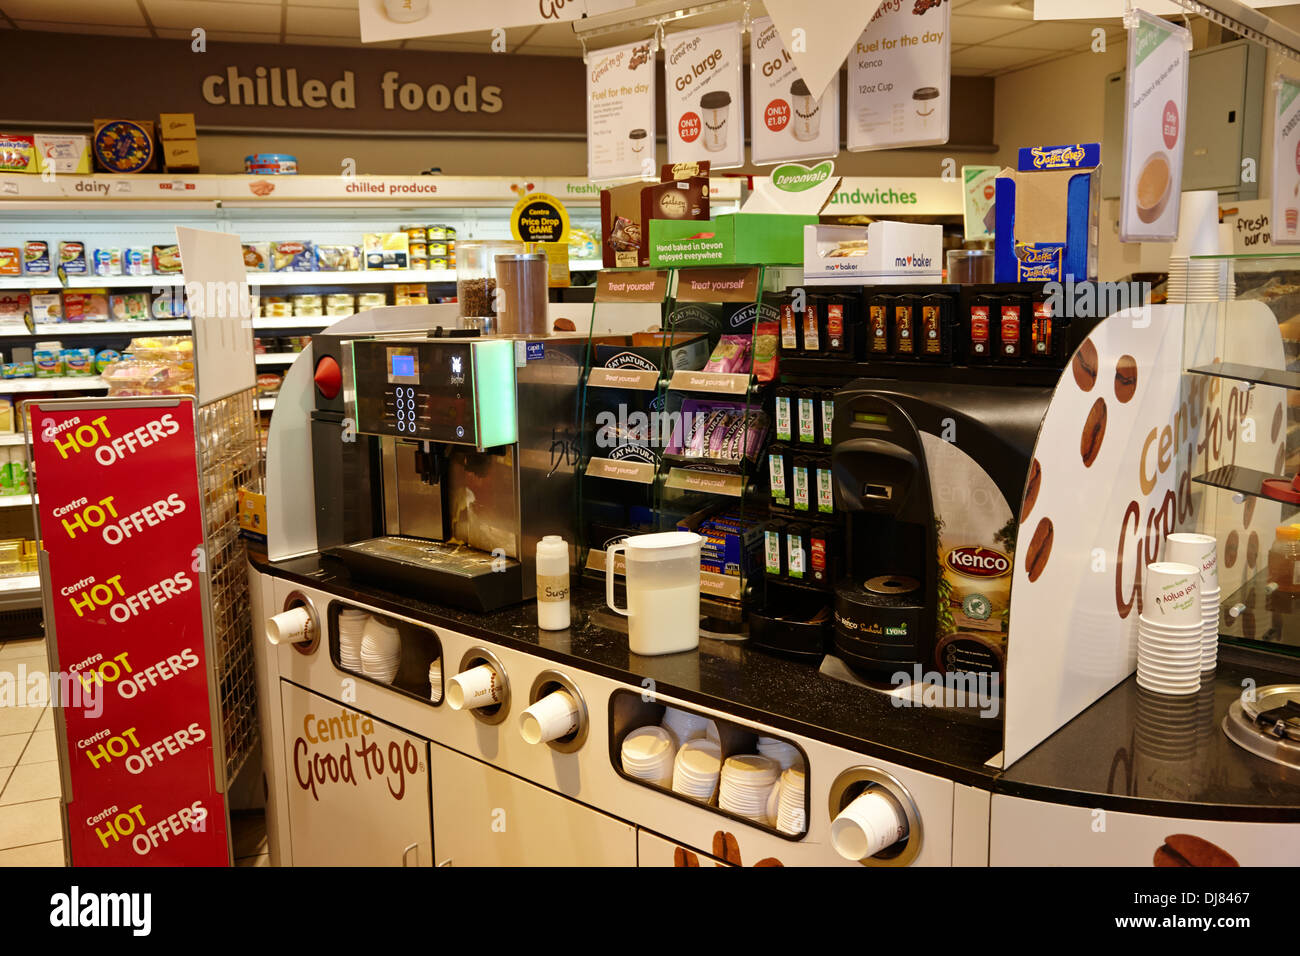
[
  {"x": 47, "y": 307},
  {"x": 719, "y": 430},
  {"x": 153, "y": 365},
  {"x": 340, "y": 303},
  {"x": 79, "y": 362},
  {"x": 307, "y": 306},
  {"x": 129, "y": 306},
  {"x": 411, "y": 294},
  {"x": 88, "y": 306},
  {"x": 18, "y": 370},
  {"x": 371, "y": 300},
  {"x": 104, "y": 358},
  {"x": 386, "y": 250},
  {"x": 731, "y": 354},
  {"x": 107, "y": 262},
  {"x": 123, "y": 146},
  {"x": 166, "y": 259},
  {"x": 17, "y": 153},
  {"x": 11, "y": 261},
  {"x": 48, "y": 357},
  {"x": 334, "y": 257},
  {"x": 294, "y": 255},
  {"x": 14, "y": 309},
  {"x": 168, "y": 304},
  {"x": 72, "y": 258},
  {"x": 63, "y": 152},
  {"x": 271, "y": 164},
  {"x": 416, "y": 233},
  {"x": 268, "y": 383},
  {"x": 137, "y": 262},
  {"x": 36, "y": 257},
  {"x": 257, "y": 256}
]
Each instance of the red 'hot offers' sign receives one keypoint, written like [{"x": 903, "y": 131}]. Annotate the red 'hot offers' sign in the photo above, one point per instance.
[{"x": 122, "y": 529}]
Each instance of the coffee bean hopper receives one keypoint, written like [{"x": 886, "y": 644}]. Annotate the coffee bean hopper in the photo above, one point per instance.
[{"x": 931, "y": 477}]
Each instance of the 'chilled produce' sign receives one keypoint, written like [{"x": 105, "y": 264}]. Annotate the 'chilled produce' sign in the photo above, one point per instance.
[{"x": 122, "y": 532}]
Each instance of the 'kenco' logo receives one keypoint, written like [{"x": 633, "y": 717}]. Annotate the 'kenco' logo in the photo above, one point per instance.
[{"x": 979, "y": 562}]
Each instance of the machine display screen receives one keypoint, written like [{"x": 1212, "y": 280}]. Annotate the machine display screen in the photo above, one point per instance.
[
  {"x": 402, "y": 367},
  {"x": 870, "y": 418}
]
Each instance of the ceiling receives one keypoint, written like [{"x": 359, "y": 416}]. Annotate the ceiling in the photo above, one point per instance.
[{"x": 990, "y": 37}]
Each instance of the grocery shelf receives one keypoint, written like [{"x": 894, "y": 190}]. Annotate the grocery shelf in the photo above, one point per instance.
[
  {"x": 67, "y": 383},
  {"x": 1249, "y": 373},
  {"x": 20, "y": 591},
  {"x": 16, "y": 438},
  {"x": 276, "y": 358},
  {"x": 145, "y": 327},
  {"x": 15, "y": 501}
]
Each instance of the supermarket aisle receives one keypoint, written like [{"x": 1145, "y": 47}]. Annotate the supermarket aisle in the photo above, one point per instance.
[{"x": 30, "y": 833}]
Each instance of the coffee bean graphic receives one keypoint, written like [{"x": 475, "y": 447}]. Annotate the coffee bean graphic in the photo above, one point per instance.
[
  {"x": 1094, "y": 430},
  {"x": 1084, "y": 366},
  {"x": 1230, "y": 548},
  {"x": 1276, "y": 428},
  {"x": 1031, "y": 489},
  {"x": 1252, "y": 549},
  {"x": 683, "y": 857},
  {"x": 1126, "y": 377},
  {"x": 1183, "y": 849},
  {"x": 1040, "y": 549},
  {"x": 1248, "y": 512},
  {"x": 1280, "y": 463}
]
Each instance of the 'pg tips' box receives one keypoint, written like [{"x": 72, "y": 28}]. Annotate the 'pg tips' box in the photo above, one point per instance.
[{"x": 1047, "y": 215}]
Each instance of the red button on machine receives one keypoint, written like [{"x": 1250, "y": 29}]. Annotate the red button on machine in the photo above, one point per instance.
[{"x": 329, "y": 378}]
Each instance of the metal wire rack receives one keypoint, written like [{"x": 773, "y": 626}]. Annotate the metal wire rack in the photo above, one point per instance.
[{"x": 230, "y": 458}]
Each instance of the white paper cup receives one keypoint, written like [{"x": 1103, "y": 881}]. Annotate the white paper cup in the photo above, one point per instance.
[
  {"x": 1172, "y": 593},
  {"x": 555, "y": 715},
  {"x": 1201, "y": 551},
  {"x": 871, "y": 823},
  {"x": 476, "y": 687},
  {"x": 290, "y": 627}
]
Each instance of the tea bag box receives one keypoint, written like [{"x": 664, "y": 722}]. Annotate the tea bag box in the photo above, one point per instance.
[{"x": 1047, "y": 215}]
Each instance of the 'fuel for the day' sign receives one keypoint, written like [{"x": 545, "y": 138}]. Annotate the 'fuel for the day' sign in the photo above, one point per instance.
[{"x": 122, "y": 531}]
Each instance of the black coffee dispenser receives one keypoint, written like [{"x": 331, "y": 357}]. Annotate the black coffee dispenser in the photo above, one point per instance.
[{"x": 929, "y": 476}]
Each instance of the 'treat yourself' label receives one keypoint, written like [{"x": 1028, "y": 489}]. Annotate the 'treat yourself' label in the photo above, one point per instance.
[{"x": 703, "y": 96}]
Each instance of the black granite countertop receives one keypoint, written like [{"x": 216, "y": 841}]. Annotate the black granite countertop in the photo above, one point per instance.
[{"x": 1130, "y": 751}]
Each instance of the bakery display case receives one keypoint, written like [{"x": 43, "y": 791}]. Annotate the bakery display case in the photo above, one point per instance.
[{"x": 1241, "y": 400}]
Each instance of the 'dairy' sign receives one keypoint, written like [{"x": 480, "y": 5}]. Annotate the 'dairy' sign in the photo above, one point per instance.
[{"x": 122, "y": 533}]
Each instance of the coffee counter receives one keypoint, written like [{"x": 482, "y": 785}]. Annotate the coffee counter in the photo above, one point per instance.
[{"x": 1130, "y": 751}]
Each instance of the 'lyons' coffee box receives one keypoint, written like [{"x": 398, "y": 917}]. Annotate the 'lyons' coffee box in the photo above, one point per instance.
[
  {"x": 878, "y": 254},
  {"x": 1047, "y": 214}
]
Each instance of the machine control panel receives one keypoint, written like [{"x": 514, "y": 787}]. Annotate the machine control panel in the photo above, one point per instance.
[{"x": 415, "y": 389}]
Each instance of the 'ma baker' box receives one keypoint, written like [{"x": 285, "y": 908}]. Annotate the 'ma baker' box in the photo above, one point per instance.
[{"x": 878, "y": 254}]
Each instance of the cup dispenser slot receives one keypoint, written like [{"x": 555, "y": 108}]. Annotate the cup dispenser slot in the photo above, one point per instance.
[
  {"x": 630, "y": 711},
  {"x": 391, "y": 653},
  {"x": 556, "y": 714},
  {"x": 874, "y": 819},
  {"x": 297, "y": 624},
  {"x": 480, "y": 686}
]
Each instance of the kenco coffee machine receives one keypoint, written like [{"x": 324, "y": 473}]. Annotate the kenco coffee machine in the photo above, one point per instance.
[
  {"x": 441, "y": 460},
  {"x": 930, "y": 477}
]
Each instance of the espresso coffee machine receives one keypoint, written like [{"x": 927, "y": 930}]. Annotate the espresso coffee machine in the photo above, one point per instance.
[
  {"x": 930, "y": 477},
  {"x": 442, "y": 459}
]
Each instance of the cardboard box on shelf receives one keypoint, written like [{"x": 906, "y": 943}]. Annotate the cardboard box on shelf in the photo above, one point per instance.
[
  {"x": 627, "y": 211},
  {"x": 1048, "y": 215},
  {"x": 734, "y": 239},
  {"x": 878, "y": 253},
  {"x": 176, "y": 126},
  {"x": 180, "y": 155}
]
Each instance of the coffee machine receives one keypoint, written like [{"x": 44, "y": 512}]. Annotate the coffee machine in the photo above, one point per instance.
[
  {"x": 930, "y": 476},
  {"x": 442, "y": 458}
]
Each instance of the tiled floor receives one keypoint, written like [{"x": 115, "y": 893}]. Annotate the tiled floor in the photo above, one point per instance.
[{"x": 31, "y": 832}]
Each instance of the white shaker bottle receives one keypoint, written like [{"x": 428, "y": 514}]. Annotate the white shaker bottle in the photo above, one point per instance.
[{"x": 553, "y": 583}]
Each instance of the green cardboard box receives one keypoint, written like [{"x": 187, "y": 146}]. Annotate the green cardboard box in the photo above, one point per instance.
[{"x": 740, "y": 238}]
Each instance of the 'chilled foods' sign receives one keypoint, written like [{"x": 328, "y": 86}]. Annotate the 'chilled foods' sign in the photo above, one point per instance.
[
  {"x": 1154, "y": 122},
  {"x": 705, "y": 105},
  {"x": 787, "y": 120},
  {"x": 122, "y": 532}
]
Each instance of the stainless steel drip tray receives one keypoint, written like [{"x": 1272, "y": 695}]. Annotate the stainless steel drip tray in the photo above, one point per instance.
[
  {"x": 1267, "y": 723},
  {"x": 446, "y": 573}
]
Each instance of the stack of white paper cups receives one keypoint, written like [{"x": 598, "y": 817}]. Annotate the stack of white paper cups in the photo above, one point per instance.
[
  {"x": 697, "y": 768},
  {"x": 352, "y": 627},
  {"x": 648, "y": 754},
  {"x": 477, "y": 687},
  {"x": 874, "y": 821},
  {"x": 1170, "y": 630},
  {"x": 1201, "y": 551},
  {"x": 554, "y": 716},
  {"x": 684, "y": 726}
]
